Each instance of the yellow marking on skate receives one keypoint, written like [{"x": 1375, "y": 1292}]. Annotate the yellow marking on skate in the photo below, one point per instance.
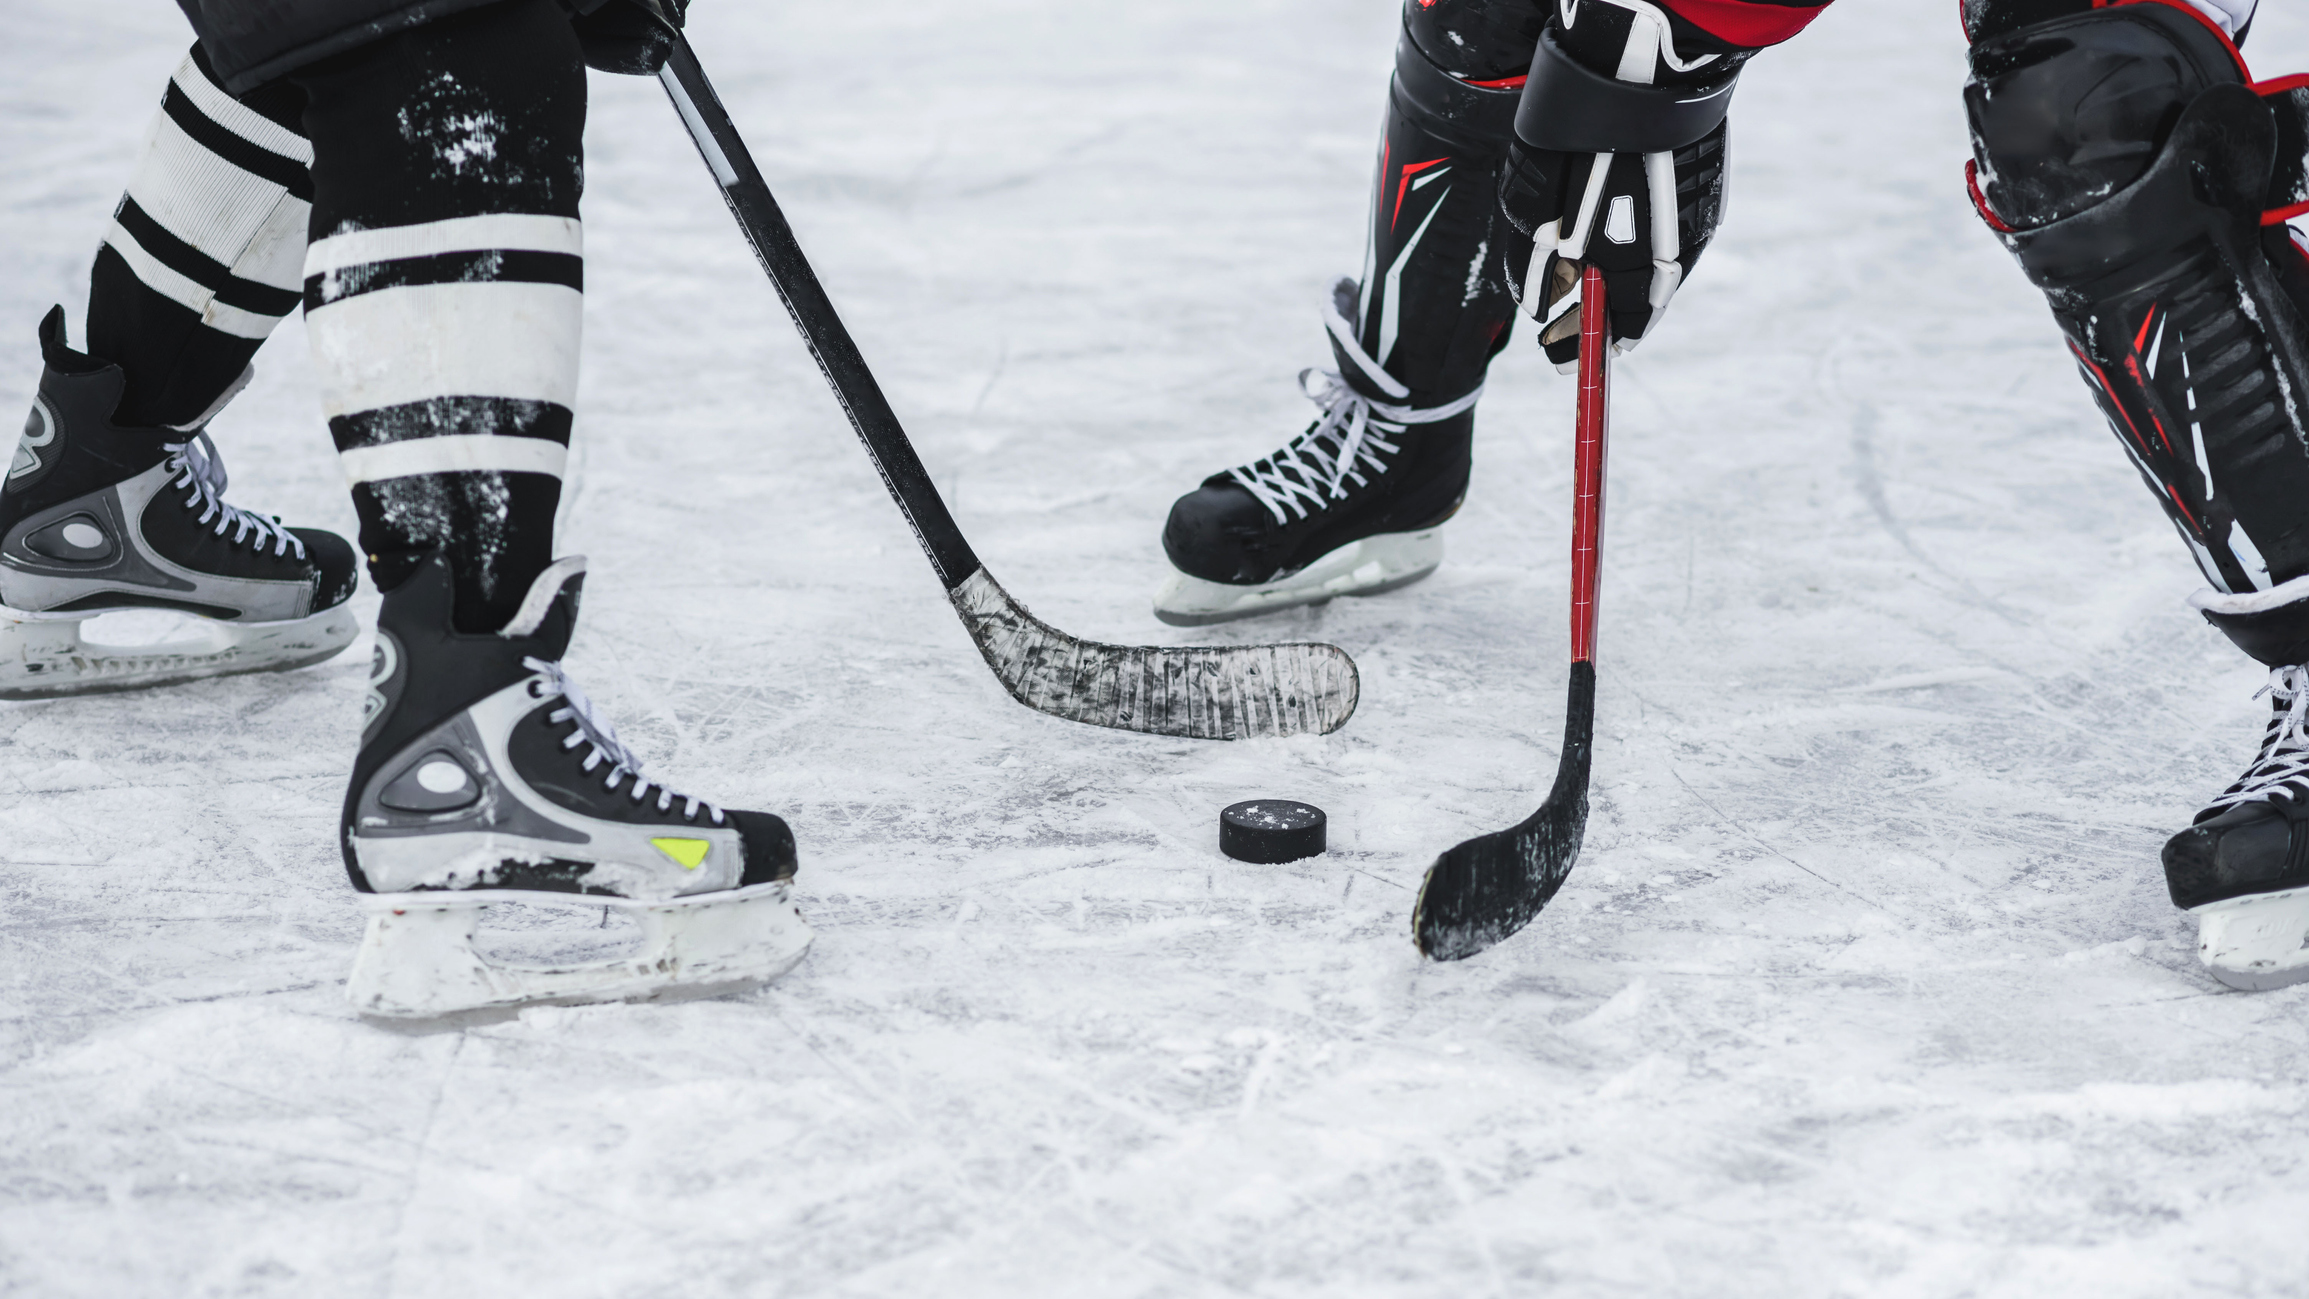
[{"x": 688, "y": 852}]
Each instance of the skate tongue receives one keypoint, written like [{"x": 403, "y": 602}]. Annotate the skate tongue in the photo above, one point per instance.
[
  {"x": 57, "y": 354},
  {"x": 564, "y": 574}
]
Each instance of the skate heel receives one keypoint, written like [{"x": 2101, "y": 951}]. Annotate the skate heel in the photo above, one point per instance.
[
  {"x": 2257, "y": 942},
  {"x": 46, "y": 656},
  {"x": 419, "y": 960}
]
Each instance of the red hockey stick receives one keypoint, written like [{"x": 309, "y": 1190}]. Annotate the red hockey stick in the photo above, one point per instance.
[{"x": 1492, "y": 885}]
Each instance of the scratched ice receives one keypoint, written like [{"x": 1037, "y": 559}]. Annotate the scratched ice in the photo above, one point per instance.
[{"x": 1867, "y": 985}]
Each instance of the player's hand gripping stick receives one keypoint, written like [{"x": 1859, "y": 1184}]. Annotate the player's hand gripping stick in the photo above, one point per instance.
[{"x": 1492, "y": 885}]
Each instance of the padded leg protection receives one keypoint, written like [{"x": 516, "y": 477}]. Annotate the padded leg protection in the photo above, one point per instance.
[
  {"x": 2126, "y": 165},
  {"x": 1431, "y": 308},
  {"x": 2272, "y": 625}
]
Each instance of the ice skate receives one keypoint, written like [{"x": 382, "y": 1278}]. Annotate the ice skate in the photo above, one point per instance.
[
  {"x": 486, "y": 777},
  {"x": 95, "y": 518},
  {"x": 1352, "y": 506},
  {"x": 2243, "y": 868}
]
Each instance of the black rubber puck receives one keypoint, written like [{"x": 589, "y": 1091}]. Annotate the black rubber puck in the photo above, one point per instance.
[{"x": 1272, "y": 830}]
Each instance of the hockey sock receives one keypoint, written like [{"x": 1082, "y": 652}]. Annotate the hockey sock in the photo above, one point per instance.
[
  {"x": 1432, "y": 309},
  {"x": 205, "y": 251},
  {"x": 442, "y": 290}
]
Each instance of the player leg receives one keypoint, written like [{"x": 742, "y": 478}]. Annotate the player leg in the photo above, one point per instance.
[
  {"x": 443, "y": 297},
  {"x": 1353, "y": 505},
  {"x": 114, "y": 498},
  {"x": 2133, "y": 171}
]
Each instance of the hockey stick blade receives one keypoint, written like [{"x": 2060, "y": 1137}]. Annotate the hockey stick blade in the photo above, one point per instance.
[
  {"x": 1492, "y": 885},
  {"x": 1204, "y": 693}
]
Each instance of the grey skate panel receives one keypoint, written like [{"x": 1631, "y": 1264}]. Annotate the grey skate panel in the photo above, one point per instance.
[
  {"x": 81, "y": 538},
  {"x": 36, "y": 580},
  {"x": 491, "y": 807},
  {"x": 32, "y": 580},
  {"x": 435, "y": 781}
]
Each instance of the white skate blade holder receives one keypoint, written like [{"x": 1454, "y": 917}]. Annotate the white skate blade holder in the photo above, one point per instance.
[
  {"x": 46, "y": 655},
  {"x": 418, "y": 959},
  {"x": 1366, "y": 567},
  {"x": 2257, "y": 942}
]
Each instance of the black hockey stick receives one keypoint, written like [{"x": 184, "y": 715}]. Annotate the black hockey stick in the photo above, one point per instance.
[
  {"x": 1211, "y": 693},
  {"x": 1492, "y": 885}
]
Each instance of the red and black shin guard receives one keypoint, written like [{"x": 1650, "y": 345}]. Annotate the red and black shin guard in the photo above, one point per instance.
[{"x": 2125, "y": 158}]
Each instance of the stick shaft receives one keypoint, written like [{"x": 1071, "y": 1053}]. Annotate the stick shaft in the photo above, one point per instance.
[
  {"x": 780, "y": 254},
  {"x": 1588, "y": 463}
]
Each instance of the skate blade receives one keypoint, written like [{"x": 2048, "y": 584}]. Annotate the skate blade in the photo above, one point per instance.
[
  {"x": 1370, "y": 566},
  {"x": 418, "y": 959},
  {"x": 2258, "y": 942},
  {"x": 44, "y": 657}
]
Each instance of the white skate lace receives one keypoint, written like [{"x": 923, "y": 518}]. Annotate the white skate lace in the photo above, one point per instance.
[
  {"x": 593, "y": 729},
  {"x": 2283, "y": 767},
  {"x": 203, "y": 472},
  {"x": 1317, "y": 466}
]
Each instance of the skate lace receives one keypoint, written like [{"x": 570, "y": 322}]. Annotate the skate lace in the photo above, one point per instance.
[
  {"x": 2283, "y": 767},
  {"x": 202, "y": 471},
  {"x": 1347, "y": 444},
  {"x": 594, "y": 729}
]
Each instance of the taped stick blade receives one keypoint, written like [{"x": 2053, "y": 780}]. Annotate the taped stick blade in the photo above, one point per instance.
[{"x": 1201, "y": 692}]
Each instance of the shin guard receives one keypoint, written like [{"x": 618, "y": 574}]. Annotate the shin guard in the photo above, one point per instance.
[
  {"x": 1431, "y": 308},
  {"x": 2127, "y": 163}
]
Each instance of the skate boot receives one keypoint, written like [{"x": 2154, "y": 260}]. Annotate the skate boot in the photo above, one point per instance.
[
  {"x": 1352, "y": 506},
  {"x": 96, "y": 518},
  {"x": 485, "y": 776},
  {"x": 2243, "y": 868}
]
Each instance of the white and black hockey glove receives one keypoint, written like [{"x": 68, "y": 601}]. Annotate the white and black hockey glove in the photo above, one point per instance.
[{"x": 1618, "y": 162}]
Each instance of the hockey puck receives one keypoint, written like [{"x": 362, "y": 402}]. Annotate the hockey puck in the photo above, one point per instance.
[{"x": 1272, "y": 830}]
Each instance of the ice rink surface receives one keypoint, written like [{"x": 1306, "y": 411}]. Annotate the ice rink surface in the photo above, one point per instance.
[{"x": 1866, "y": 985}]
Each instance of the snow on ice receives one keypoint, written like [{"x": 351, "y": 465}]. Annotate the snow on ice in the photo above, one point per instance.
[{"x": 1867, "y": 984}]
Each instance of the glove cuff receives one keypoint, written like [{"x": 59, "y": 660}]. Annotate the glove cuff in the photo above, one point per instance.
[{"x": 1568, "y": 109}]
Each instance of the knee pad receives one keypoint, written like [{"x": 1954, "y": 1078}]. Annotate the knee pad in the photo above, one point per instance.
[
  {"x": 2068, "y": 111},
  {"x": 1460, "y": 67}
]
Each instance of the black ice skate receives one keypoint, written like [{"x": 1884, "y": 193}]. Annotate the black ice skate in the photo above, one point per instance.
[
  {"x": 95, "y": 518},
  {"x": 1352, "y": 506},
  {"x": 485, "y": 776},
  {"x": 2243, "y": 868}
]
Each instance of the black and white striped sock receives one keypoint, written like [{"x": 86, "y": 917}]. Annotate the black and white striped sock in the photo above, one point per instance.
[
  {"x": 205, "y": 252},
  {"x": 443, "y": 290},
  {"x": 447, "y": 353}
]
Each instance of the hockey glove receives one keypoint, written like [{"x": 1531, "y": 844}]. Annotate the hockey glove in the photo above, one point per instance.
[
  {"x": 630, "y": 37},
  {"x": 1623, "y": 170}
]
